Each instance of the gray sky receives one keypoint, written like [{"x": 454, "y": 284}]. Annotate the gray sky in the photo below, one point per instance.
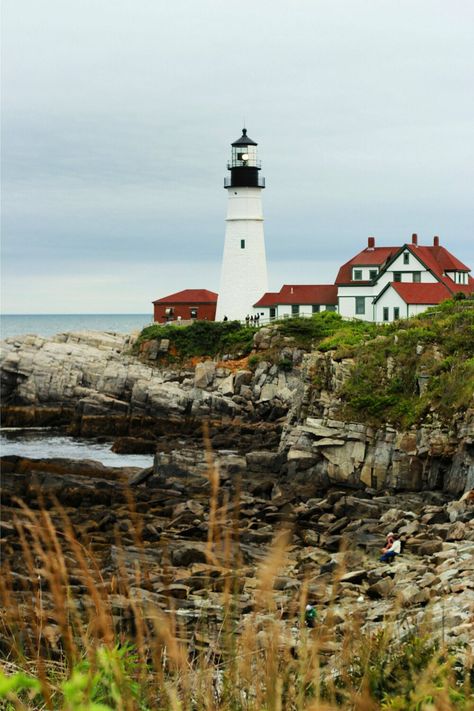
[{"x": 118, "y": 117}]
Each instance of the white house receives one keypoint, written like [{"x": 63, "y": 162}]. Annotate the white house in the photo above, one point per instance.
[
  {"x": 402, "y": 299},
  {"x": 379, "y": 284}
]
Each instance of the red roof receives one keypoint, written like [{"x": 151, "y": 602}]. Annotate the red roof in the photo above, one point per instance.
[
  {"x": 421, "y": 293},
  {"x": 270, "y": 298},
  {"x": 300, "y": 294},
  {"x": 370, "y": 256},
  {"x": 189, "y": 296},
  {"x": 436, "y": 258}
]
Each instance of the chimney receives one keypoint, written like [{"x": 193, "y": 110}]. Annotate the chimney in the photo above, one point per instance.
[
  {"x": 291, "y": 290},
  {"x": 371, "y": 243},
  {"x": 414, "y": 239},
  {"x": 436, "y": 241}
]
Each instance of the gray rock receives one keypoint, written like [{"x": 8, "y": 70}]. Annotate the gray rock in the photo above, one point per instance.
[
  {"x": 383, "y": 588},
  {"x": 204, "y": 374},
  {"x": 242, "y": 377}
]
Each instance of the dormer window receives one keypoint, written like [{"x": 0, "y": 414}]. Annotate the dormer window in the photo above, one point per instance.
[
  {"x": 357, "y": 274},
  {"x": 373, "y": 274}
]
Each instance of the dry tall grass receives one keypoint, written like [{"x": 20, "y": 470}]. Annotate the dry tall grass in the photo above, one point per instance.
[{"x": 60, "y": 625}]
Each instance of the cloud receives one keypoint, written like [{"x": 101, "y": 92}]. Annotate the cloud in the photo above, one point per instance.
[{"x": 118, "y": 119}]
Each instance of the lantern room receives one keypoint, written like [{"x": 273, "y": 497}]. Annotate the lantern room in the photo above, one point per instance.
[{"x": 244, "y": 165}]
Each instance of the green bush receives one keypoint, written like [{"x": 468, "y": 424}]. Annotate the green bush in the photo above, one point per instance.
[
  {"x": 253, "y": 361},
  {"x": 285, "y": 364},
  {"x": 383, "y": 385},
  {"x": 202, "y": 338}
]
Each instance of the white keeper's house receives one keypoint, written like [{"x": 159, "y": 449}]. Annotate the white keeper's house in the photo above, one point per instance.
[{"x": 379, "y": 284}]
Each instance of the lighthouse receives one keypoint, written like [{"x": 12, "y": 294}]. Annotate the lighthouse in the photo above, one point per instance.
[{"x": 244, "y": 265}]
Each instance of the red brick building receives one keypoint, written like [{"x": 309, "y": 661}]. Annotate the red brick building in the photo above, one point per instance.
[{"x": 197, "y": 304}]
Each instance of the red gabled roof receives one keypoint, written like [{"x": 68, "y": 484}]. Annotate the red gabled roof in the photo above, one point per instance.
[
  {"x": 421, "y": 293},
  {"x": 438, "y": 259},
  {"x": 370, "y": 256},
  {"x": 191, "y": 296},
  {"x": 300, "y": 294},
  {"x": 435, "y": 258}
]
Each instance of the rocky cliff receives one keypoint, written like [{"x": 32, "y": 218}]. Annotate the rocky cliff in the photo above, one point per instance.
[
  {"x": 284, "y": 457},
  {"x": 286, "y": 410}
]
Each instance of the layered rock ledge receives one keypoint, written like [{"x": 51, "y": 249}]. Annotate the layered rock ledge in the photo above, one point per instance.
[{"x": 91, "y": 384}]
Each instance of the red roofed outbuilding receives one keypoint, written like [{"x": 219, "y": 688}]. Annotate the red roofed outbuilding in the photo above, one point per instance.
[
  {"x": 195, "y": 304},
  {"x": 297, "y": 300}
]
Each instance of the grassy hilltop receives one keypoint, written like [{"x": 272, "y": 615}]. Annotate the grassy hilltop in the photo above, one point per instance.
[{"x": 390, "y": 362}]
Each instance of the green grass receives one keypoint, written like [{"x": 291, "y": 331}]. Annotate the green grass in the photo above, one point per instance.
[
  {"x": 388, "y": 359},
  {"x": 202, "y": 338},
  {"x": 437, "y": 345}
]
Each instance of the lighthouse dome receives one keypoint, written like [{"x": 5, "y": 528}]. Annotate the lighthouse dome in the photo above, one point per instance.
[{"x": 244, "y": 140}]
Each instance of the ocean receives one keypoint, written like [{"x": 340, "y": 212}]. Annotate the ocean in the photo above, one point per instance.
[
  {"x": 41, "y": 443},
  {"x": 50, "y": 324}
]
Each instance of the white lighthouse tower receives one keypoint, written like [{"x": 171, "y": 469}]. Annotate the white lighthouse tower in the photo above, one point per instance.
[{"x": 244, "y": 264}]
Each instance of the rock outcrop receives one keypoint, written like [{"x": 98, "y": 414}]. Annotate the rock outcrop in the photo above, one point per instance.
[
  {"x": 319, "y": 445},
  {"x": 277, "y": 457},
  {"x": 92, "y": 384},
  {"x": 173, "y": 535}
]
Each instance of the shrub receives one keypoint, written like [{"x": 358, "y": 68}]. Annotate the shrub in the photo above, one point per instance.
[
  {"x": 253, "y": 361},
  {"x": 383, "y": 385},
  {"x": 202, "y": 338},
  {"x": 285, "y": 364}
]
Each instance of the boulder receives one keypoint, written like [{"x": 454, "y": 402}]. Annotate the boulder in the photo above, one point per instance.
[
  {"x": 456, "y": 532},
  {"x": 185, "y": 554},
  {"x": 383, "y": 588},
  {"x": 204, "y": 374}
]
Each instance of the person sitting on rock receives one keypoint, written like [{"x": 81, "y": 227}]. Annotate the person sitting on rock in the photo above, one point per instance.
[
  {"x": 395, "y": 549},
  {"x": 388, "y": 542}
]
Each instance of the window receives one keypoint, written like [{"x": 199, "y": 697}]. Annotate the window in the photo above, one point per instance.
[
  {"x": 385, "y": 313},
  {"x": 272, "y": 312},
  {"x": 316, "y": 308},
  {"x": 330, "y": 307},
  {"x": 360, "y": 304},
  {"x": 396, "y": 313},
  {"x": 397, "y": 276},
  {"x": 295, "y": 309},
  {"x": 242, "y": 244},
  {"x": 373, "y": 274},
  {"x": 193, "y": 313},
  {"x": 406, "y": 258},
  {"x": 417, "y": 277},
  {"x": 357, "y": 274}
]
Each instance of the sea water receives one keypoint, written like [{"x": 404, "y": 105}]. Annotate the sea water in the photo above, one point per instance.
[
  {"x": 39, "y": 443},
  {"x": 50, "y": 324}
]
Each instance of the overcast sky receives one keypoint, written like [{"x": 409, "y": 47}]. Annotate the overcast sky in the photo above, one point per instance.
[{"x": 118, "y": 117}]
